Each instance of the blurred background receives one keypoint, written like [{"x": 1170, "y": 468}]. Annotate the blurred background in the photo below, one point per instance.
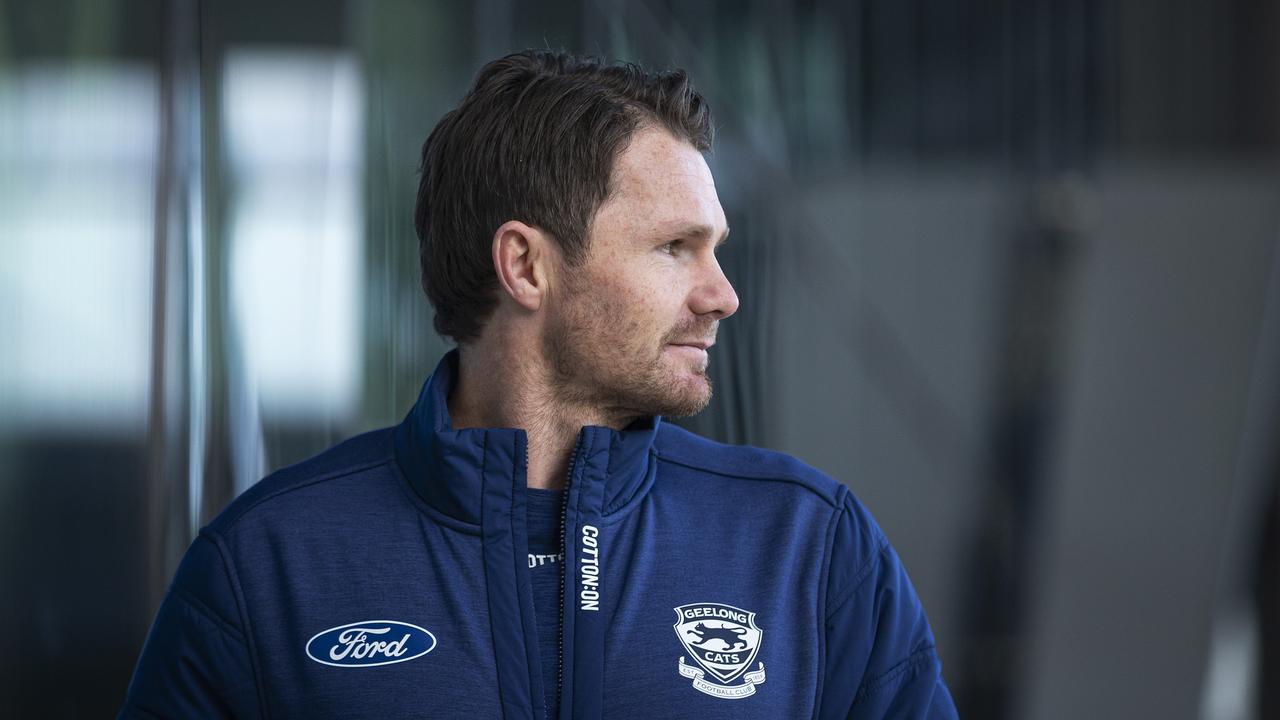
[{"x": 1009, "y": 270}]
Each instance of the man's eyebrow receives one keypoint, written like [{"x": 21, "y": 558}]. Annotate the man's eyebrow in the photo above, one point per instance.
[{"x": 695, "y": 230}]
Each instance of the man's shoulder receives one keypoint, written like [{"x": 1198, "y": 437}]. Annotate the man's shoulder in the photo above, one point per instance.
[
  {"x": 746, "y": 463},
  {"x": 321, "y": 474}
]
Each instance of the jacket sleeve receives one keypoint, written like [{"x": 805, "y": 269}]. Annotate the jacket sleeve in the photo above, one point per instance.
[
  {"x": 196, "y": 661},
  {"x": 880, "y": 660}
]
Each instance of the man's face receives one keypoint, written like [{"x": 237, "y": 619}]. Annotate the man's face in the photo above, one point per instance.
[{"x": 621, "y": 335}]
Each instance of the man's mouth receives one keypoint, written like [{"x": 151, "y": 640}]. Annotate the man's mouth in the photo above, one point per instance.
[{"x": 703, "y": 345}]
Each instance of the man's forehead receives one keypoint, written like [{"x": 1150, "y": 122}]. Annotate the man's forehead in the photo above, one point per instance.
[
  {"x": 668, "y": 182},
  {"x": 655, "y": 160}
]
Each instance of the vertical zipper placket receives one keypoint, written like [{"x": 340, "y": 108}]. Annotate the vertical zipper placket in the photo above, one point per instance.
[{"x": 564, "y": 554}]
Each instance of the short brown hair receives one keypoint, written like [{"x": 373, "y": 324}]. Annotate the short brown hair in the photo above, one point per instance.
[{"x": 534, "y": 140}]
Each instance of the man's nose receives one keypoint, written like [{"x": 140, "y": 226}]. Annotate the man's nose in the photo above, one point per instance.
[{"x": 715, "y": 294}]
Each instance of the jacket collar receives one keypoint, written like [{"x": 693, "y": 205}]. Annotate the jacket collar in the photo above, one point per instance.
[{"x": 453, "y": 469}]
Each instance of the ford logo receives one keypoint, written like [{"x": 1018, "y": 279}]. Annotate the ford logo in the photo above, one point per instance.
[{"x": 370, "y": 643}]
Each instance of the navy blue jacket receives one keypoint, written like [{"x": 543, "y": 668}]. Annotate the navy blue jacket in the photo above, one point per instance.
[{"x": 387, "y": 577}]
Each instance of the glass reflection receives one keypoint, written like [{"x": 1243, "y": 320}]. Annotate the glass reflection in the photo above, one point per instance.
[{"x": 77, "y": 190}]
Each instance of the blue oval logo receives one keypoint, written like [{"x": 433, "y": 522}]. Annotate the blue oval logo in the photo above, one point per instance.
[{"x": 370, "y": 643}]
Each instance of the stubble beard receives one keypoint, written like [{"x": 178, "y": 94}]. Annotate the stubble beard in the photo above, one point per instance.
[{"x": 600, "y": 359}]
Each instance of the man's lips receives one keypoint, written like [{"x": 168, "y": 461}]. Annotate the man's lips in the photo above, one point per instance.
[{"x": 700, "y": 344}]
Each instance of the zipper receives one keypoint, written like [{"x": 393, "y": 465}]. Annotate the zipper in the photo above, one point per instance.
[{"x": 564, "y": 555}]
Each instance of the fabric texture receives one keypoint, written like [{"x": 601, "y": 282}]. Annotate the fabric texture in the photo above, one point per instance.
[
  {"x": 545, "y": 561},
  {"x": 391, "y": 576}
]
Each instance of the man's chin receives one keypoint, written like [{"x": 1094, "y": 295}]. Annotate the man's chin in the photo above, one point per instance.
[{"x": 692, "y": 397}]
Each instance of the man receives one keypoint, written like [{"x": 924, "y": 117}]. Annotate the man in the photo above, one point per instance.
[{"x": 533, "y": 540}]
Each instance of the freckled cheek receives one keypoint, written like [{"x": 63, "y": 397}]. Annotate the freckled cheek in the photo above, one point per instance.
[
  {"x": 639, "y": 315},
  {"x": 659, "y": 299}
]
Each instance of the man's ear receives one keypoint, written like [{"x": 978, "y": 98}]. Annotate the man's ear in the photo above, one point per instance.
[{"x": 520, "y": 257}]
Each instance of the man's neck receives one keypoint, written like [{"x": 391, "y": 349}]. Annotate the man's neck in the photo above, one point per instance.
[{"x": 511, "y": 390}]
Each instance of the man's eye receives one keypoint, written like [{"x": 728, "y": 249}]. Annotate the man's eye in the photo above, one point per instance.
[{"x": 670, "y": 248}]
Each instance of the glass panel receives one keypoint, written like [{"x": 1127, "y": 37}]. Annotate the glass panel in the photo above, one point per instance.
[{"x": 293, "y": 123}]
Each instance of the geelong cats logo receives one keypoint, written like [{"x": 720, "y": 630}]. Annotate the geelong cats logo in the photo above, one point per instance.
[{"x": 723, "y": 641}]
